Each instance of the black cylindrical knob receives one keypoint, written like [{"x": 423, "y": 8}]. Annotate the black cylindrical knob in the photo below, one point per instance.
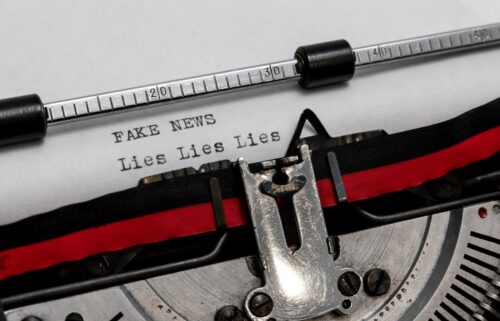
[
  {"x": 22, "y": 119},
  {"x": 325, "y": 63}
]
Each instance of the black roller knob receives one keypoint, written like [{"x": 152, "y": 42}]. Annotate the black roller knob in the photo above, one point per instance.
[
  {"x": 22, "y": 119},
  {"x": 325, "y": 63}
]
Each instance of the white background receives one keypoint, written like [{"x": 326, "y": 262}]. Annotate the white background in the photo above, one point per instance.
[{"x": 65, "y": 49}]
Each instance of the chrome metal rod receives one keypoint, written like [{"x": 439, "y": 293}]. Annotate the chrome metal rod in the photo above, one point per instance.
[
  {"x": 431, "y": 45},
  {"x": 263, "y": 75},
  {"x": 171, "y": 92}
]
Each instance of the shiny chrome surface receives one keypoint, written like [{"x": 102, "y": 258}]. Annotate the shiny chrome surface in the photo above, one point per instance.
[
  {"x": 262, "y": 75},
  {"x": 431, "y": 45},
  {"x": 171, "y": 92},
  {"x": 301, "y": 282}
]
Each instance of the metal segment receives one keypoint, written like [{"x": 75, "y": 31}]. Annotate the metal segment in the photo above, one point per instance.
[
  {"x": 262, "y": 75},
  {"x": 441, "y": 43},
  {"x": 301, "y": 280},
  {"x": 170, "y": 92}
]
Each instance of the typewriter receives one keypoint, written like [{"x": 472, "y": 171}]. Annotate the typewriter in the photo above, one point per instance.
[{"x": 366, "y": 226}]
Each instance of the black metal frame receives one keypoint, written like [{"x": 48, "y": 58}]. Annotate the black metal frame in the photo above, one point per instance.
[
  {"x": 3, "y": 317},
  {"x": 131, "y": 276},
  {"x": 112, "y": 280},
  {"x": 424, "y": 211}
]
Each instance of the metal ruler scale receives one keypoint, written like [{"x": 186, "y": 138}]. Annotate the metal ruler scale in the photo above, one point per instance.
[
  {"x": 173, "y": 91},
  {"x": 26, "y": 118},
  {"x": 218, "y": 83},
  {"x": 442, "y": 43}
]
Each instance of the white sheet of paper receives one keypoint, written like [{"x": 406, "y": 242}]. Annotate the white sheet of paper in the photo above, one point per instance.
[{"x": 64, "y": 49}]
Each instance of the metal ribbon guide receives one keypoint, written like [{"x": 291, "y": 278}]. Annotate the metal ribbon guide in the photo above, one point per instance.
[{"x": 300, "y": 279}]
